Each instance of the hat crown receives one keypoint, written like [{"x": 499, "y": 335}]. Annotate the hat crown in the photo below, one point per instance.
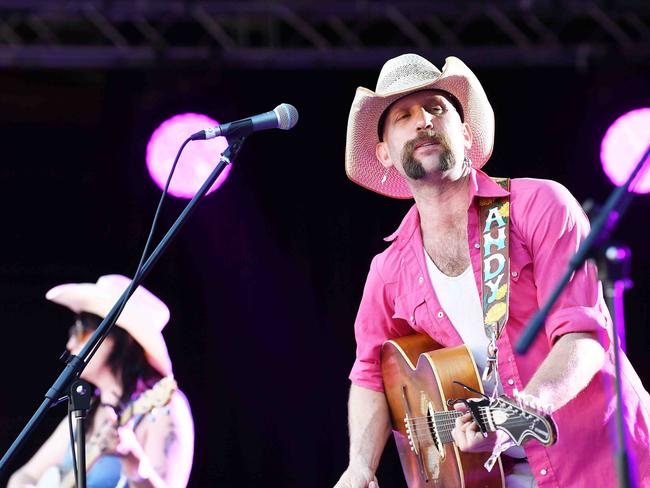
[
  {"x": 404, "y": 72},
  {"x": 114, "y": 286}
]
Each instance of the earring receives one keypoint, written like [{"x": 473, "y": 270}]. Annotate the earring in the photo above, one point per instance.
[
  {"x": 467, "y": 163},
  {"x": 385, "y": 177}
]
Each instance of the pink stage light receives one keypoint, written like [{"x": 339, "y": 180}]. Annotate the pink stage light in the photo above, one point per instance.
[
  {"x": 624, "y": 144},
  {"x": 197, "y": 161}
]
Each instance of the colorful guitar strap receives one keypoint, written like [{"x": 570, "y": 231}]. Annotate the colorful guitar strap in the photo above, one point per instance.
[{"x": 494, "y": 222}]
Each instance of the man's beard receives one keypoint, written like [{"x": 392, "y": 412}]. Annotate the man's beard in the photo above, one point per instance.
[{"x": 413, "y": 167}]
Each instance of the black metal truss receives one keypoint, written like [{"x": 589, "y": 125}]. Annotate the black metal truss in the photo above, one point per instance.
[{"x": 335, "y": 34}]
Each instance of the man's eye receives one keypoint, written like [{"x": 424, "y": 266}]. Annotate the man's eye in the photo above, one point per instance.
[
  {"x": 401, "y": 116},
  {"x": 436, "y": 108}
]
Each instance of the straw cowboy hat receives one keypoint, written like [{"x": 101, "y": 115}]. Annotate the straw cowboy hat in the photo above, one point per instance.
[
  {"x": 143, "y": 317},
  {"x": 401, "y": 76}
]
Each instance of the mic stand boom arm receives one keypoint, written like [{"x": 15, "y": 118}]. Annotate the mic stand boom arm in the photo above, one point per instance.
[{"x": 76, "y": 364}]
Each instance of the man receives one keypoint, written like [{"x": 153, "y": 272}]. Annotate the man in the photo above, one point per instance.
[
  {"x": 156, "y": 448},
  {"x": 425, "y": 134}
]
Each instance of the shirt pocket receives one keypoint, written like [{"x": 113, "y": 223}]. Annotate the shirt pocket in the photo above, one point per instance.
[
  {"x": 520, "y": 264},
  {"x": 523, "y": 292},
  {"x": 412, "y": 307}
]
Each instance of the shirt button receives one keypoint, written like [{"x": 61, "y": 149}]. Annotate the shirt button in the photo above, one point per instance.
[
  {"x": 543, "y": 472},
  {"x": 420, "y": 279},
  {"x": 440, "y": 314},
  {"x": 412, "y": 318},
  {"x": 514, "y": 274},
  {"x": 477, "y": 245},
  {"x": 511, "y": 382}
]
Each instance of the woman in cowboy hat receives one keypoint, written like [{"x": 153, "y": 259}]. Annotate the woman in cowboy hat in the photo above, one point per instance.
[
  {"x": 131, "y": 360},
  {"x": 425, "y": 134}
]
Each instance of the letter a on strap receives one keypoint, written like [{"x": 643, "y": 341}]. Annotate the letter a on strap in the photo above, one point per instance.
[{"x": 494, "y": 222}]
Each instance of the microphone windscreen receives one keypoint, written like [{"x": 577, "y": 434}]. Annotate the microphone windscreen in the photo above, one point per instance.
[{"x": 287, "y": 116}]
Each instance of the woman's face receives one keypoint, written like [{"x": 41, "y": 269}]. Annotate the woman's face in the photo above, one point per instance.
[{"x": 78, "y": 337}]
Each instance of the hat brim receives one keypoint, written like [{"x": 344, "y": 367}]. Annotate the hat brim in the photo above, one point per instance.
[
  {"x": 142, "y": 321},
  {"x": 361, "y": 163}
]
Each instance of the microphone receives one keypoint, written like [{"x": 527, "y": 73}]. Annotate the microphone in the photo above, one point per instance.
[{"x": 284, "y": 117}]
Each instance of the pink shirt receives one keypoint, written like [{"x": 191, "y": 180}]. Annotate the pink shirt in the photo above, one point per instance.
[{"x": 547, "y": 226}]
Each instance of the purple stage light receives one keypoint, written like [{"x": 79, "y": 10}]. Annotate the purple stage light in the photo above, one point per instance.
[
  {"x": 197, "y": 161},
  {"x": 624, "y": 144}
]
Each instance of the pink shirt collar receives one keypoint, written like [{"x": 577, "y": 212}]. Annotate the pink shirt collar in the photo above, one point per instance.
[{"x": 481, "y": 185}]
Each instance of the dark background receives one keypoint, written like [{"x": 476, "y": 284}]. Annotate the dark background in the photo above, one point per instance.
[{"x": 264, "y": 281}]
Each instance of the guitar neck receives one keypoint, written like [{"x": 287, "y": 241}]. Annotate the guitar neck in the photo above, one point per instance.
[
  {"x": 519, "y": 423},
  {"x": 444, "y": 424}
]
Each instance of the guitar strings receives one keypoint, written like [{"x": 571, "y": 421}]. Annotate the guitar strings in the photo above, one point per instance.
[
  {"x": 447, "y": 425},
  {"x": 443, "y": 416},
  {"x": 427, "y": 435},
  {"x": 442, "y": 423},
  {"x": 424, "y": 420},
  {"x": 451, "y": 418},
  {"x": 439, "y": 424}
]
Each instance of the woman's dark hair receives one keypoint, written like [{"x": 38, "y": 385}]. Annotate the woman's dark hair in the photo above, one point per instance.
[{"x": 127, "y": 361}]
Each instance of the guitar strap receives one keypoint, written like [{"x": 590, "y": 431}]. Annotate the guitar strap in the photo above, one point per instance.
[{"x": 494, "y": 226}]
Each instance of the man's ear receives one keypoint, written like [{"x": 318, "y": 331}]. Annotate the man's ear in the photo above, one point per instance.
[
  {"x": 383, "y": 155},
  {"x": 467, "y": 135}
]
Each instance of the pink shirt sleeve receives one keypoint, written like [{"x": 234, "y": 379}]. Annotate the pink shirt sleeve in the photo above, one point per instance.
[
  {"x": 554, "y": 225},
  {"x": 373, "y": 326}
]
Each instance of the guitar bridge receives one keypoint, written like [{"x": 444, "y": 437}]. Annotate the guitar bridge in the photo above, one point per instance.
[{"x": 412, "y": 433}]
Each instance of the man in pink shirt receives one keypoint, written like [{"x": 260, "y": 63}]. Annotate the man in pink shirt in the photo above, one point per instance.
[{"x": 425, "y": 134}]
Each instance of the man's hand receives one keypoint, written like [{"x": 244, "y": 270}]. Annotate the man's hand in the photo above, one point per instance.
[
  {"x": 467, "y": 435},
  {"x": 357, "y": 477}
]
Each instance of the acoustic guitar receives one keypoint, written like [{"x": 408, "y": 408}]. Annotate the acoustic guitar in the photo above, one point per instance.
[
  {"x": 420, "y": 379},
  {"x": 157, "y": 396}
]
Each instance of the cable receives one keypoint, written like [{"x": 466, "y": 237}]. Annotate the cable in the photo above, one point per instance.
[
  {"x": 72, "y": 444},
  {"x": 149, "y": 239}
]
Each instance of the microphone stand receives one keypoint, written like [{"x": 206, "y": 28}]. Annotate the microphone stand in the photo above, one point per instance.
[
  {"x": 614, "y": 265},
  {"x": 76, "y": 364},
  {"x": 607, "y": 218},
  {"x": 614, "y": 271},
  {"x": 79, "y": 404}
]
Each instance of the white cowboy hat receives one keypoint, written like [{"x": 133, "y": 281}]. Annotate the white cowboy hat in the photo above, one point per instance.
[
  {"x": 401, "y": 76},
  {"x": 143, "y": 317}
]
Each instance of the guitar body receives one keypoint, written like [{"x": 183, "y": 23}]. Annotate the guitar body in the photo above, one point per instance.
[{"x": 418, "y": 375}]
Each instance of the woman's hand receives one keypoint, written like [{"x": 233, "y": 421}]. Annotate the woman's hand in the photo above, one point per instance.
[{"x": 122, "y": 441}]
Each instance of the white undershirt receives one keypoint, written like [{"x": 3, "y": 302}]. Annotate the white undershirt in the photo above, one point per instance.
[{"x": 458, "y": 297}]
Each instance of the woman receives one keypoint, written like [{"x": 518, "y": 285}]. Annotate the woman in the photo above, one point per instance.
[{"x": 156, "y": 452}]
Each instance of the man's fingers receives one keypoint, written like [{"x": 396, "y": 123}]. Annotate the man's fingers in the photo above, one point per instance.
[
  {"x": 463, "y": 420},
  {"x": 459, "y": 437}
]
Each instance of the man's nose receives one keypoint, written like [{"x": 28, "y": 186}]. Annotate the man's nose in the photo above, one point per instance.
[{"x": 425, "y": 119}]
